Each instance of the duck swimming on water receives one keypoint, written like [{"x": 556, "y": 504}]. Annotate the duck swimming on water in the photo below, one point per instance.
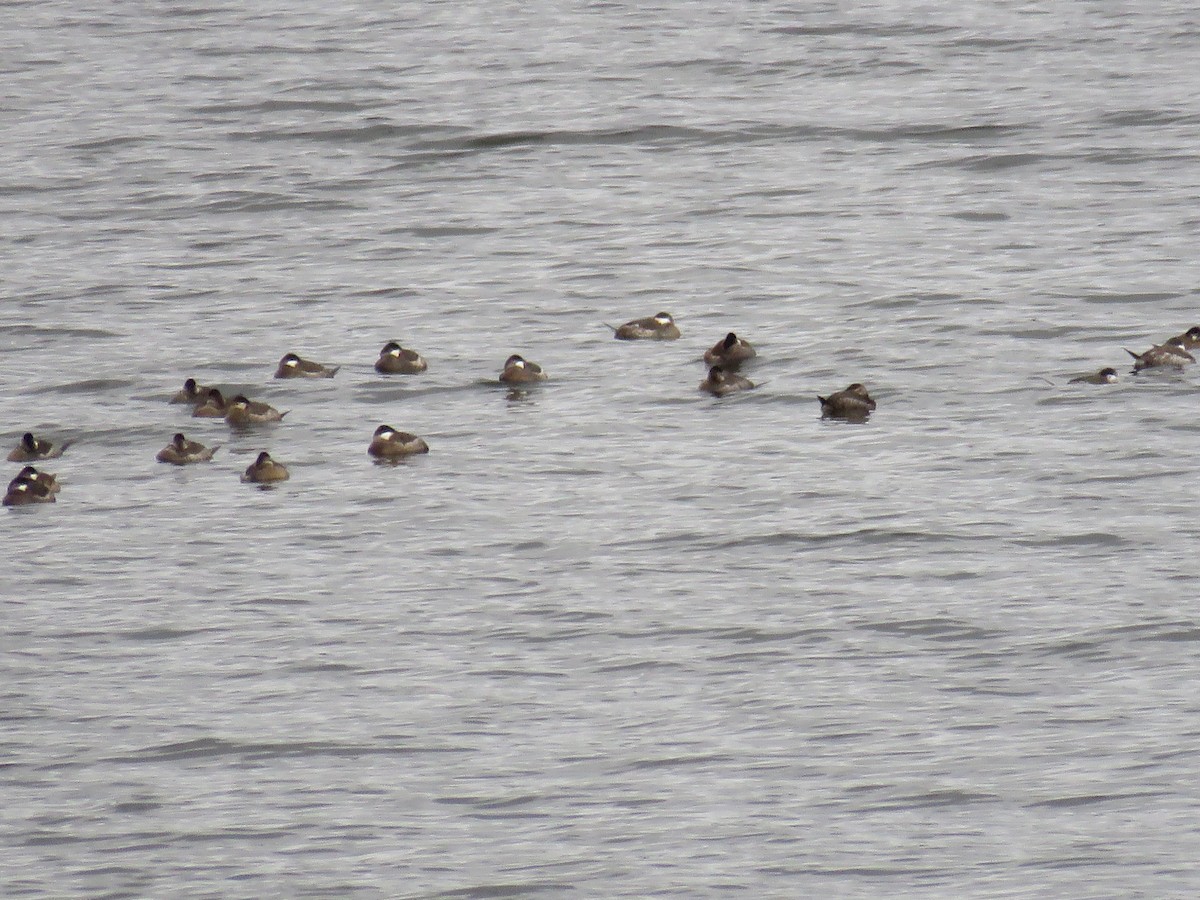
[{"x": 853, "y": 404}]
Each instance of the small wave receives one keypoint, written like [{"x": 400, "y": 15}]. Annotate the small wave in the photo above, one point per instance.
[
  {"x": 687, "y": 761},
  {"x": 204, "y": 748},
  {"x": 270, "y": 201},
  {"x": 1148, "y": 118},
  {"x": 936, "y": 629},
  {"x": 995, "y": 162},
  {"x": 500, "y": 891},
  {"x": 1092, "y": 799},
  {"x": 87, "y": 386},
  {"x": 1123, "y": 298},
  {"x": 162, "y": 634},
  {"x": 858, "y": 29},
  {"x": 58, "y": 331},
  {"x": 979, "y": 216},
  {"x": 277, "y": 105},
  {"x": 933, "y": 799},
  {"x": 1083, "y": 539}
]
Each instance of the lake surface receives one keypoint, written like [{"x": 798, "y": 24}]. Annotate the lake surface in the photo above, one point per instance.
[{"x": 612, "y": 637}]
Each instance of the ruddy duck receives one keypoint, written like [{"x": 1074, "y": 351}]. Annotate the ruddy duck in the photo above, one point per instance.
[
  {"x": 388, "y": 443},
  {"x": 1104, "y": 376},
  {"x": 23, "y": 491},
  {"x": 192, "y": 393},
  {"x": 31, "y": 448},
  {"x": 181, "y": 451},
  {"x": 41, "y": 479},
  {"x": 854, "y": 403},
  {"x": 520, "y": 371},
  {"x": 655, "y": 328},
  {"x": 264, "y": 470},
  {"x": 242, "y": 411},
  {"x": 395, "y": 360},
  {"x": 211, "y": 407},
  {"x": 1169, "y": 354},
  {"x": 1189, "y": 340},
  {"x": 292, "y": 366},
  {"x": 729, "y": 353},
  {"x": 720, "y": 382}
]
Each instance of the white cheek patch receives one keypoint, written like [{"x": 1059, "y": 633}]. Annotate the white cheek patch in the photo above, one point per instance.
[
  {"x": 292, "y": 363},
  {"x": 387, "y": 435},
  {"x": 395, "y": 352}
]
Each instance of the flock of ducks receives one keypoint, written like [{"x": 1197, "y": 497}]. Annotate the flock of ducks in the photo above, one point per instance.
[
  {"x": 1170, "y": 354},
  {"x": 724, "y": 360},
  {"x": 32, "y": 486}
]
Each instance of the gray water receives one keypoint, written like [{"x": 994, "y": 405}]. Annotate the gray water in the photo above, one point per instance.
[{"x": 611, "y": 637}]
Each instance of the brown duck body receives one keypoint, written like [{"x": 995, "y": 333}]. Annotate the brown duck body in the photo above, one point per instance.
[
  {"x": 1104, "y": 376},
  {"x": 213, "y": 406},
  {"x": 388, "y": 443},
  {"x": 242, "y": 411},
  {"x": 191, "y": 393},
  {"x": 729, "y": 353},
  {"x": 854, "y": 403},
  {"x": 1189, "y": 340},
  {"x": 31, "y": 486},
  {"x": 43, "y": 480},
  {"x": 1170, "y": 354},
  {"x": 292, "y": 366},
  {"x": 396, "y": 360},
  {"x": 181, "y": 452},
  {"x": 518, "y": 370},
  {"x": 24, "y": 491},
  {"x": 719, "y": 382},
  {"x": 31, "y": 449},
  {"x": 265, "y": 470},
  {"x": 660, "y": 327}
]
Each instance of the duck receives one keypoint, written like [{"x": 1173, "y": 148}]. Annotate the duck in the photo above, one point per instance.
[
  {"x": 264, "y": 470},
  {"x": 660, "y": 327},
  {"x": 23, "y": 491},
  {"x": 395, "y": 360},
  {"x": 1189, "y": 340},
  {"x": 211, "y": 407},
  {"x": 242, "y": 411},
  {"x": 292, "y": 366},
  {"x": 388, "y": 443},
  {"x": 31, "y": 448},
  {"x": 518, "y": 370},
  {"x": 721, "y": 382},
  {"x": 854, "y": 403},
  {"x": 1104, "y": 376},
  {"x": 41, "y": 479},
  {"x": 1170, "y": 353},
  {"x": 192, "y": 392},
  {"x": 181, "y": 451},
  {"x": 729, "y": 353}
]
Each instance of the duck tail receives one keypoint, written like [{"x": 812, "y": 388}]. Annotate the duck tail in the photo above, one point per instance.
[
  {"x": 1131, "y": 353},
  {"x": 611, "y": 328}
]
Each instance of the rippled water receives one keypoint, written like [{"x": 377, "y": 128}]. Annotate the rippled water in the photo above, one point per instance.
[{"x": 611, "y": 637}]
